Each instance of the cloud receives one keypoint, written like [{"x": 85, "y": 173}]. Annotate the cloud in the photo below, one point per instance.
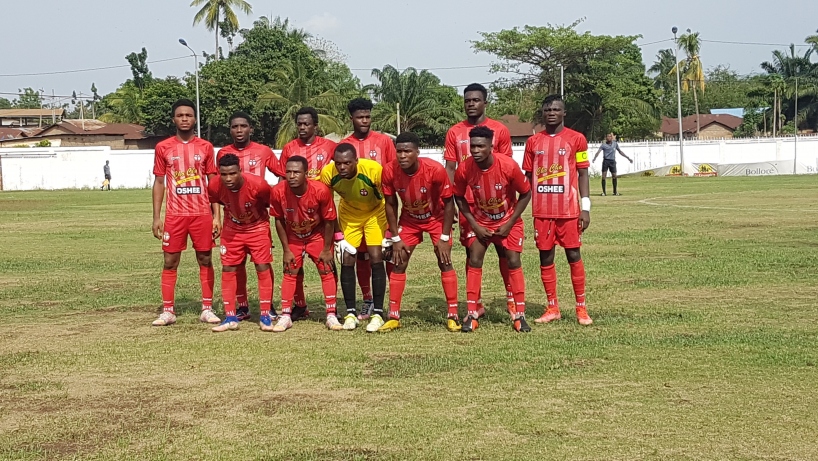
[{"x": 322, "y": 24}]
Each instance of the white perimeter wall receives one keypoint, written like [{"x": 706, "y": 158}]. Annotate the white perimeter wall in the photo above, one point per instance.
[{"x": 81, "y": 167}]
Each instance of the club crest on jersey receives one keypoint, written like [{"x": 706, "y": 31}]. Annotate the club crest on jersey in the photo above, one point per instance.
[
  {"x": 498, "y": 186},
  {"x": 373, "y": 154},
  {"x": 197, "y": 158},
  {"x": 319, "y": 157},
  {"x": 422, "y": 190},
  {"x": 562, "y": 151},
  {"x": 310, "y": 210},
  {"x": 248, "y": 205},
  {"x": 166, "y": 236},
  {"x": 253, "y": 162},
  {"x": 364, "y": 192},
  {"x": 223, "y": 250}
]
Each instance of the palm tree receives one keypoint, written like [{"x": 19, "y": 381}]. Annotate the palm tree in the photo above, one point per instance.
[
  {"x": 212, "y": 11},
  {"x": 123, "y": 105},
  {"x": 291, "y": 89},
  {"x": 782, "y": 72},
  {"x": 692, "y": 70},
  {"x": 417, "y": 95},
  {"x": 664, "y": 66},
  {"x": 813, "y": 40}
]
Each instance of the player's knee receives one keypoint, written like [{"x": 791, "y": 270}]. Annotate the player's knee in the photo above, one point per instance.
[
  {"x": 204, "y": 258},
  {"x": 348, "y": 260},
  {"x": 171, "y": 262},
  {"x": 514, "y": 261},
  {"x": 475, "y": 262},
  {"x": 229, "y": 268},
  {"x": 546, "y": 257},
  {"x": 573, "y": 255},
  {"x": 262, "y": 267}
]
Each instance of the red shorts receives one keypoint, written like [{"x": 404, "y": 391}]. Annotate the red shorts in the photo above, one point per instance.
[
  {"x": 514, "y": 240},
  {"x": 311, "y": 247},
  {"x": 411, "y": 233},
  {"x": 177, "y": 228},
  {"x": 235, "y": 246},
  {"x": 563, "y": 232}
]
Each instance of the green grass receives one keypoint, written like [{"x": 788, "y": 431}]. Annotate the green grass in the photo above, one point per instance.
[{"x": 704, "y": 344}]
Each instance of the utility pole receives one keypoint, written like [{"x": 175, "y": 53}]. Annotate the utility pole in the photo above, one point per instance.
[
  {"x": 397, "y": 106},
  {"x": 679, "y": 105},
  {"x": 795, "y": 121}
]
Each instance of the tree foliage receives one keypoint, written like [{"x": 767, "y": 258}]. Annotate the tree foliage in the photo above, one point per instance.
[
  {"x": 212, "y": 11},
  {"x": 5, "y": 103},
  {"x": 27, "y": 99}
]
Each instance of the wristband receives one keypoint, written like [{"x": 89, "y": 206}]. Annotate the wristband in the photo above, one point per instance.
[
  {"x": 395, "y": 239},
  {"x": 444, "y": 238},
  {"x": 338, "y": 236},
  {"x": 585, "y": 204}
]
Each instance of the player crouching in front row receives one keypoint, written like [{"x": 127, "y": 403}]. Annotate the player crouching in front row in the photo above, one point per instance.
[
  {"x": 501, "y": 194},
  {"x": 246, "y": 231},
  {"x": 305, "y": 222},
  {"x": 426, "y": 193}
]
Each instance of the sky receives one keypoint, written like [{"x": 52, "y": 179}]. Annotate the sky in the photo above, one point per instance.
[{"x": 46, "y": 36}]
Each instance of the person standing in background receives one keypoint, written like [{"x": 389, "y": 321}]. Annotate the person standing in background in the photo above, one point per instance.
[{"x": 107, "y": 171}]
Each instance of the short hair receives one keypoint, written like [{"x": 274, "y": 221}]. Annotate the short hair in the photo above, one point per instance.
[
  {"x": 301, "y": 160},
  {"x": 408, "y": 136},
  {"x": 345, "y": 147},
  {"x": 481, "y": 132},
  {"x": 477, "y": 87},
  {"x": 241, "y": 114},
  {"x": 359, "y": 104},
  {"x": 182, "y": 103},
  {"x": 551, "y": 99},
  {"x": 308, "y": 111},
  {"x": 229, "y": 160}
]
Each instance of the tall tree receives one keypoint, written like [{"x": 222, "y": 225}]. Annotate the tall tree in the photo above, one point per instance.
[
  {"x": 212, "y": 11},
  {"x": 27, "y": 99},
  {"x": 813, "y": 40},
  {"x": 139, "y": 68},
  {"x": 419, "y": 96},
  {"x": 664, "y": 67},
  {"x": 783, "y": 71},
  {"x": 692, "y": 69},
  {"x": 5, "y": 103}
]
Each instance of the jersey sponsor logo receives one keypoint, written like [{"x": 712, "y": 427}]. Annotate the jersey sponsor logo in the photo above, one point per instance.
[
  {"x": 495, "y": 216},
  {"x": 539, "y": 152},
  {"x": 173, "y": 159},
  {"x": 463, "y": 141},
  {"x": 188, "y": 190},
  {"x": 364, "y": 192},
  {"x": 493, "y": 203},
  {"x": 551, "y": 189},
  {"x": 302, "y": 229},
  {"x": 419, "y": 209},
  {"x": 181, "y": 177},
  {"x": 313, "y": 173},
  {"x": 556, "y": 170}
]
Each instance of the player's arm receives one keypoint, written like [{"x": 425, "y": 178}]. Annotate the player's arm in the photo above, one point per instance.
[
  {"x": 329, "y": 216},
  {"x": 585, "y": 200},
  {"x": 281, "y": 229},
  {"x": 450, "y": 155},
  {"x": 392, "y": 213},
  {"x": 621, "y": 153},
  {"x": 444, "y": 249},
  {"x": 158, "y": 197},
  {"x": 598, "y": 151},
  {"x": 215, "y": 211}
]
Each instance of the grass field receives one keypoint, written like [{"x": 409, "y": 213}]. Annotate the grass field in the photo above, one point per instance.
[{"x": 704, "y": 346}]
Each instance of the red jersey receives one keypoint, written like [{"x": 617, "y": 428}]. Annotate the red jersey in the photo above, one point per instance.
[
  {"x": 185, "y": 167},
  {"x": 422, "y": 193},
  {"x": 495, "y": 190},
  {"x": 253, "y": 159},
  {"x": 457, "y": 147},
  {"x": 376, "y": 146},
  {"x": 245, "y": 210},
  {"x": 553, "y": 162},
  {"x": 318, "y": 154},
  {"x": 304, "y": 215}
]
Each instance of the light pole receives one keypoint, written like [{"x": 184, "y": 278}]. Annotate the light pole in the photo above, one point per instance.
[
  {"x": 679, "y": 105},
  {"x": 562, "y": 81},
  {"x": 795, "y": 121},
  {"x": 198, "y": 111}
]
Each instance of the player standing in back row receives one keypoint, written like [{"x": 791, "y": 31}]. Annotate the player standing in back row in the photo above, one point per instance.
[
  {"x": 184, "y": 164},
  {"x": 375, "y": 146},
  {"x": 318, "y": 152},
  {"x": 609, "y": 148},
  {"x": 456, "y": 150},
  {"x": 556, "y": 163},
  {"x": 254, "y": 159}
]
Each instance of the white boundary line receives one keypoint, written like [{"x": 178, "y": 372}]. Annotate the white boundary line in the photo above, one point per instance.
[{"x": 650, "y": 201}]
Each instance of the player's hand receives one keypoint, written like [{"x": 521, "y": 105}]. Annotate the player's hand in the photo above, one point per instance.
[
  {"x": 584, "y": 220},
  {"x": 399, "y": 253},
  {"x": 217, "y": 229},
  {"x": 482, "y": 233},
  {"x": 288, "y": 259},
  {"x": 325, "y": 262},
  {"x": 444, "y": 252},
  {"x": 158, "y": 228},
  {"x": 342, "y": 246},
  {"x": 503, "y": 230},
  {"x": 630, "y": 160}
]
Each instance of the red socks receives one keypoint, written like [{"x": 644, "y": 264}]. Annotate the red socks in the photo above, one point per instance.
[
  {"x": 265, "y": 290},
  {"x": 241, "y": 285},
  {"x": 330, "y": 288},
  {"x": 207, "y": 278},
  {"x": 287, "y": 293},
  {"x": 364, "y": 271},
  {"x": 474, "y": 281},
  {"x": 397, "y": 284},
  {"x": 229, "y": 293},
  {"x": 480, "y": 291},
  {"x": 299, "y": 299},
  {"x": 548, "y": 275},
  {"x": 504, "y": 272},
  {"x": 449, "y": 280},
  {"x": 578, "y": 280},
  {"x": 517, "y": 281},
  {"x": 168, "y": 289}
]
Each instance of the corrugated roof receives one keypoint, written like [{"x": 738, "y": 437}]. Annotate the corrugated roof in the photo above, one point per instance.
[
  {"x": 28, "y": 113},
  {"x": 518, "y": 128},
  {"x": 671, "y": 125}
]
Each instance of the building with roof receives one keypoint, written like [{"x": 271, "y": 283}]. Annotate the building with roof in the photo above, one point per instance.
[
  {"x": 87, "y": 132},
  {"x": 712, "y": 126},
  {"x": 520, "y": 131},
  {"x": 21, "y": 118}
]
